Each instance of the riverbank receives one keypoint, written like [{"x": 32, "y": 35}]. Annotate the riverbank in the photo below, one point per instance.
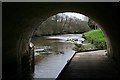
[
  {"x": 55, "y": 34},
  {"x": 96, "y": 37},
  {"x": 94, "y": 40}
]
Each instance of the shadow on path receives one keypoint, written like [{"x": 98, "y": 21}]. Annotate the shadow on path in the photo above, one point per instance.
[{"x": 91, "y": 65}]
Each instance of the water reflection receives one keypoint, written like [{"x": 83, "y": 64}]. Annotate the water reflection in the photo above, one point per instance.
[
  {"x": 54, "y": 44},
  {"x": 58, "y": 50}
]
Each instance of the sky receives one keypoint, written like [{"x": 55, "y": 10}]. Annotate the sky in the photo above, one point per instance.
[{"x": 77, "y": 15}]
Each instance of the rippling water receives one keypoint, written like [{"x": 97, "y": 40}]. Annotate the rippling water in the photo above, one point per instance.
[{"x": 60, "y": 51}]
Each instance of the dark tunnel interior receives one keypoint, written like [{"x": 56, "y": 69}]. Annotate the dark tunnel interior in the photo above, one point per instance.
[{"x": 19, "y": 20}]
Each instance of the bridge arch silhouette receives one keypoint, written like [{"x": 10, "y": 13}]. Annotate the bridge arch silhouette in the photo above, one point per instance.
[{"x": 21, "y": 19}]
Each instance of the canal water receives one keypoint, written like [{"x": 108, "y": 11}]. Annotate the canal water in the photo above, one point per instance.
[{"x": 57, "y": 50}]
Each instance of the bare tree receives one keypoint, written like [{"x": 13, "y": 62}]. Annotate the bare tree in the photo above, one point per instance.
[{"x": 59, "y": 24}]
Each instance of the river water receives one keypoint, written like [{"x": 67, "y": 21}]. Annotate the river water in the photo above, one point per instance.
[{"x": 59, "y": 52}]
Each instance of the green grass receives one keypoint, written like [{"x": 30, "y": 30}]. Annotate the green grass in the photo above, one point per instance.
[
  {"x": 96, "y": 37},
  {"x": 86, "y": 47}
]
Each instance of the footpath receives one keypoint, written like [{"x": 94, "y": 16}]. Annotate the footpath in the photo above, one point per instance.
[{"x": 92, "y": 65}]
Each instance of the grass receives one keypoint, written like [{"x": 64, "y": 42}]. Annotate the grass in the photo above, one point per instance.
[
  {"x": 94, "y": 40},
  {"x": 86, "y": 47},
  {"x": 96, "y": 37}
]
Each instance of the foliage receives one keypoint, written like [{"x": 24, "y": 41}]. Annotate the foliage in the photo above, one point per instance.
[
  {"x": 96, "y": 37},
  {"x": 61, "y": 24},
  {"x": 85, "y": 47},
  {"x": 92, "y": 24}
]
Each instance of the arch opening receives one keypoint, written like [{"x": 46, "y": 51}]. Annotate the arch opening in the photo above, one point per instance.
[
  {"x": 17, "y": 50},
  {"x": 48, "y": 35}
]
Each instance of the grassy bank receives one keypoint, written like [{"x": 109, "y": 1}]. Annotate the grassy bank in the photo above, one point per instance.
[
  {"x": 94, "y": 40},
  {"x": 95, "y": 37}
]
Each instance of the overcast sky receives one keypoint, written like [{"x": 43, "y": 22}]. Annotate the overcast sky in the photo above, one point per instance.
[{"x": 77, "y": 15}]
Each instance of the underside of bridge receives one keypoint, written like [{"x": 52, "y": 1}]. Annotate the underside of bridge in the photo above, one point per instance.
[{"x": 21, "y": 19}]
